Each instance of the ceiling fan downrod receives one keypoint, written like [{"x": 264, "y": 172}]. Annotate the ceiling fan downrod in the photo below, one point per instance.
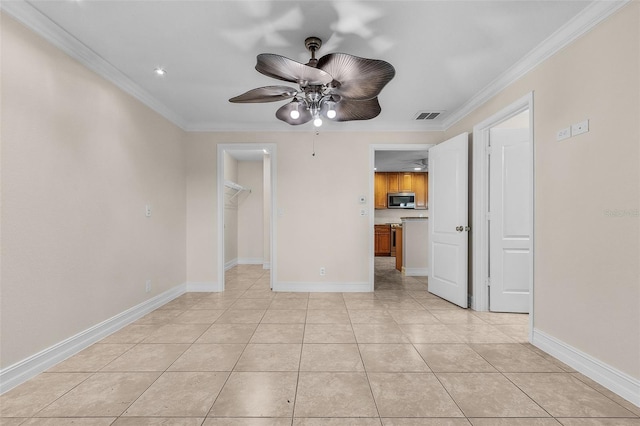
[{"x": 313, "y": 44}]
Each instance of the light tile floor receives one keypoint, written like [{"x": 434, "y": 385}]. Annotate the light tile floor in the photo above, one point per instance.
[{"x": 248, "y": 356}]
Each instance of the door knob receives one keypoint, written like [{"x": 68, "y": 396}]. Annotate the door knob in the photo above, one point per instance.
[{"x": 459, "y": 228}]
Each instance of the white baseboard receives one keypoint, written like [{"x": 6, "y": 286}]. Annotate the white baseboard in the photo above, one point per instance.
[
  {"x": 203, "y": 287},
  {"x": 322, "y": 287},
  {"x": 416, "y": 272},
  {"x": 266, "y": 265},
  {"x": 28, "y": 368},
  {"x": 230, "y": 264},
  {"x": 613, "y": 379},
  {"x": 249, "y": 261}
]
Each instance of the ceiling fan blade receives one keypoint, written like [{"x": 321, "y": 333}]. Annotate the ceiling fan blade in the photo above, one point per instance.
[
  {"x": 348, "y": 110},
  {"x": 265, "y": 94},
  {"x": 357, "y": 78},
  {"x": 284, "y": 114},
  {"x": 286, "y": 69}
]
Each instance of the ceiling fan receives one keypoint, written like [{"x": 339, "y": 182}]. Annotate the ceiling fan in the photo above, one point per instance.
[
  {"x": 338, "y": 86},
  {"x": 422, "y": 164},
  {"x": 419, "y": 164}
]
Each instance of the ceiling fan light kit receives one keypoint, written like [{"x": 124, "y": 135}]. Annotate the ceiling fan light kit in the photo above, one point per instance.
[{"x": 338, "y": 86}]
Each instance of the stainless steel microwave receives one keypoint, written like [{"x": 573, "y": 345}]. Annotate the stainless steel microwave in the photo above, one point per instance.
[{"x": 401, "y": 200}]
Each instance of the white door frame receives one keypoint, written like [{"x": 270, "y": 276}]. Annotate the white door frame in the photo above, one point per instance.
[
  {"x": 271, "y": 148},
  {"x": 372, "y": 210},
  {"x": 480, "y": 234}
]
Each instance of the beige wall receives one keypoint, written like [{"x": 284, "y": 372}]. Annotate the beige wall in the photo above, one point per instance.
[
  {"x": 80, "y": 160},
  {"x": 587, "y": 291},
  {"x": 202, "y": 211},
  {"x": 317, "y": 196},
  {"x": 266, "y": 211},
  {"x": 250, "y": 212},
  {"x": 230, "y": 211}
]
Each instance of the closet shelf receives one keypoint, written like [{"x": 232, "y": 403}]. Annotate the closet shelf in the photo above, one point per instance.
[{"x": 238, "y": 188}]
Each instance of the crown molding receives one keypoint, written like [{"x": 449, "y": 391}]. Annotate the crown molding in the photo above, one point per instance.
[
  {"x": 588, "y": 18},
  {"x": 33, "y": 19},
  {"x": 345, "y": 127}
]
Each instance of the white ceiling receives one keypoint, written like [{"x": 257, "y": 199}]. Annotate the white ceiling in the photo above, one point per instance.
[
  {"x": 401, "y": 161},
  {"x": 448, "y": 55},
  {"x": 246, "y": 154}
]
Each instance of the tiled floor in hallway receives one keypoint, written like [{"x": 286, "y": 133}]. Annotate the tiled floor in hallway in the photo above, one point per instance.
[{"x": 248, "y": 356}]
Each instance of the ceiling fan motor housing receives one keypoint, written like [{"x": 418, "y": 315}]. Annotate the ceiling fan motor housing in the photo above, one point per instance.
[{"x": 313, "y": 44}]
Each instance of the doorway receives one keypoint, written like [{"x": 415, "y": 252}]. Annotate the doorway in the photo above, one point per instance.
[
  {"x": 503, "y": 205},
  {"x": 412, "y": 156},
  {"x": 246, "y": 204}
]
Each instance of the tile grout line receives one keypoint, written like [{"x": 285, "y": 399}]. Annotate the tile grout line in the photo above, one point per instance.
[
  {"x": 601, "y": 393},
  {"x": 364, "y": 368},
  {"x": 232, "y": 368},
  {"x": 295, "y": 394},
  {"x": 159, "y": 376}
]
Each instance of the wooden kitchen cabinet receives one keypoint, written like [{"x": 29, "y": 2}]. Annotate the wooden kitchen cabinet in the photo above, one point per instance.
[
  {"x": 406, "y": 182},
  {"x": 382, "y": 240},
  {"x": 417, "y": 183},
  {"x": 380, "y": 190},
  {"x": 393, "y": 182},
  {"x": 399, "y": 181},
  {"x": 421, "y": 187}
]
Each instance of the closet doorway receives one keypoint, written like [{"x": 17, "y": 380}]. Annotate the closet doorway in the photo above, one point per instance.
[{"x": 246, "y": 194}]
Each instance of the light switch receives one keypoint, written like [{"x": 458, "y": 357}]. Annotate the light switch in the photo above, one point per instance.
[{"x": 580, "y": 128}]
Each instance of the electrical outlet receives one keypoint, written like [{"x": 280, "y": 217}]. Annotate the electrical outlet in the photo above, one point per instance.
[
  {"x": 147, "y": 210},
  {"x": 580, "y": 128},
  {"x": 363, "y": 212},
  {"x": 563, "y": 134},
  {"x": 147, "y": 286},
  {"x": 323, "y": 271}
]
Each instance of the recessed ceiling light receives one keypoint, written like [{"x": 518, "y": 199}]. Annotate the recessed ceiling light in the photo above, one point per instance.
[
  {"x": 160, "y": 71},
  {"x": 417, "y": 168}
]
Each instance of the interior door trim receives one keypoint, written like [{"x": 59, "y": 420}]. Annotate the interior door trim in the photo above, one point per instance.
[
  {"x": 480, "y": 191},
  {"x": 371, "y": 207}
]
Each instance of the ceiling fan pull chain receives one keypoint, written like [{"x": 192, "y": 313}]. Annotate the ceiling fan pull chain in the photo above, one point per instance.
[{"x": 313, "y": 143}]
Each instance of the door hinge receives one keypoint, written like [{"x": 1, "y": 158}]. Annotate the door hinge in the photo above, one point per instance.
[
  {"x": 488, "y": 215},
  {"x": 488, "y": 149},
  {"x": 488, "y": 282}
]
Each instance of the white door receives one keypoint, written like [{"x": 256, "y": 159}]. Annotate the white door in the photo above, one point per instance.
[
  {"x": 510, "y": 223},
  {"x": 448, "y": 219}
]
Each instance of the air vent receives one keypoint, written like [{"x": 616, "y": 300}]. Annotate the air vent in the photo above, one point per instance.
[{"x": 427, "y": 115}]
